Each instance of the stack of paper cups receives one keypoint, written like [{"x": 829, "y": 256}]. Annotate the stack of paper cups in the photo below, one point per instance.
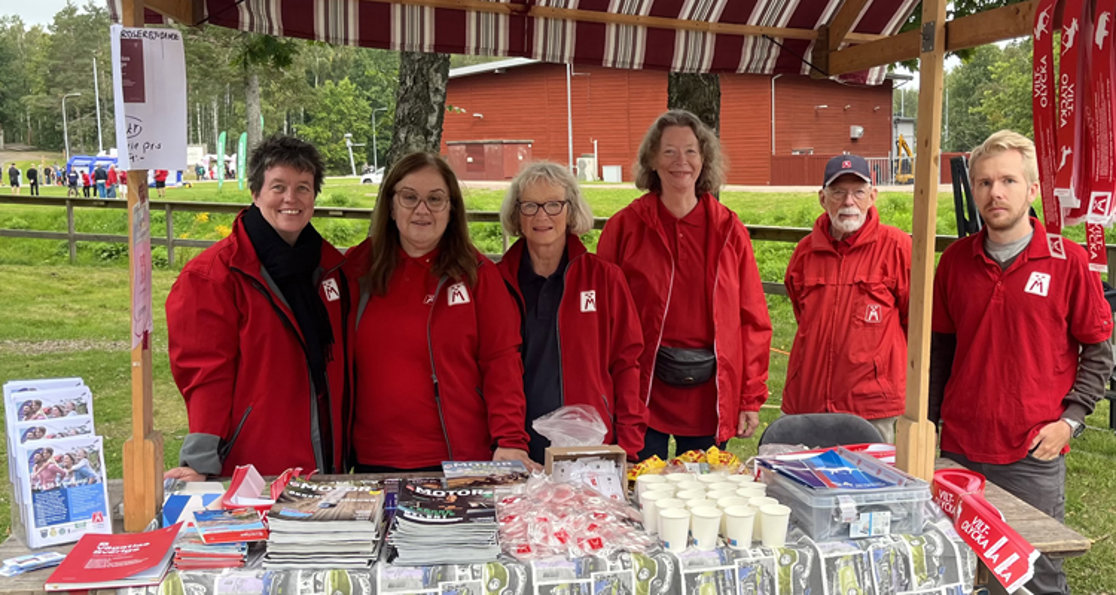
[
  {"x": 674, "y": 528},
  {"x": 774, "y": 518},
  {"x": 648, "y": 505},
  {"x": 645, "y": 482},
  {"x": 705, "y": 521},
  {"x": 738, "y": 522}
]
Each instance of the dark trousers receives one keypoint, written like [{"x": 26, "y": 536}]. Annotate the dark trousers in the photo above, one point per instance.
[
  {"x": 656, "y": 443},
  {"x": 35, "y": 188},
  {"x": 1041, "y": 484},
  {"x": 85, "y": 191}
]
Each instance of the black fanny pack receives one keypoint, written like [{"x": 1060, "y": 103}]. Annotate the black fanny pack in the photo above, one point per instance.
[{"x": 681, "y": 366}]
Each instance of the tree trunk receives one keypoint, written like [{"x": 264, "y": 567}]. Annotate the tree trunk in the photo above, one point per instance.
[
  {"x": 696, "y": 93},
  {"x": 252, "y": 107},
  {"x": 216, "y": 127},
  {"x": 420, "y": 104}
]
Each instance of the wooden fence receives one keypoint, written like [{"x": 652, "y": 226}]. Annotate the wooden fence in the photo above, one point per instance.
[{"x": 72, "y": 236}]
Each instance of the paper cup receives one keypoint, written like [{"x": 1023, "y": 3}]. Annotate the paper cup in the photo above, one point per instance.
[
  {"x": 661, "y": 488},
  {"x": 651, "y": 510},
  {"x": 665, "y": 503},
  {"x": 701, "y": 502},
  {"x": 758, "y": 502},
  {"x": 646, "y": 481},
  {"x": 690, "y": 494},
  {"x": 727, "y": 502},
  {"x": 752, "y": 490},
  {"x": 739, "y": 479},
  {"x": 690, "y": 484},
  {"x": 723, "y": 485},
  {"x": 718, "y": 494},
  {"x": 674, "y": 529},
  {"x": 774, "y": 518},
  {"x": 738, "y": 523},
  {"x": 677, "y": 477},
  {"x": 705, "y": 523}
]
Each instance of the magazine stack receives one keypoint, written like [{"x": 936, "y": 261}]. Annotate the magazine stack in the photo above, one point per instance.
[
  {"x": 444, "y": 525},
  {"x": 55, "y": 460},
  {"x": 191, "y": 553},
  {"x": 325, "y": 524}
]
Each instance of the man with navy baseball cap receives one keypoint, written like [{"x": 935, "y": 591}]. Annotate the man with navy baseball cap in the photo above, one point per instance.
[{"x": 849, "y": 284}]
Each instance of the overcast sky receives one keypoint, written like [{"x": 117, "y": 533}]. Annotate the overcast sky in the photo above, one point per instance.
[{"x": 36, "y": 12}]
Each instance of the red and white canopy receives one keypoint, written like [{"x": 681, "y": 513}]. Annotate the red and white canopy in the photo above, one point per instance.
[{"x": 744, "y": 36}]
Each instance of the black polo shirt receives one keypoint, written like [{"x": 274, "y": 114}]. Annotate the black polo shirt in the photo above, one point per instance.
[{"x": 542, "y": 361}]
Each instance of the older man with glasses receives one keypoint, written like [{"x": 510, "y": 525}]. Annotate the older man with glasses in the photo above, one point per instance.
[{"x": 849, "y": 284}]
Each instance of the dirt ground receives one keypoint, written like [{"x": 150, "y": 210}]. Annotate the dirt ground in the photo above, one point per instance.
[{"x": 15, "y": 152}]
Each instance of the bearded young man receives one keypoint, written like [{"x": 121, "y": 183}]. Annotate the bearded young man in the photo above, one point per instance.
[
  {"x": 1020, "y": 351},
  {"x": 849, "y": 283}
]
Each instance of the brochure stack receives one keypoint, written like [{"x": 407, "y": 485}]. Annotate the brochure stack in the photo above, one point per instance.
[
  {"x": 318, "y": 524},
  {"x": 448, "y": 525}
]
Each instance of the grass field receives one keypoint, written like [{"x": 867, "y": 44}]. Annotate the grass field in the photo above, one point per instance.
[{"x": 63, "y": 320}]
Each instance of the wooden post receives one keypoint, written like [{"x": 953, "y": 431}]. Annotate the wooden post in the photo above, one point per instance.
[
  {"x": 143, "y": 452},
  {"x": 915, "y": 442},
  {"x": 70, "y": 231},
  {"x": 170, "y": 233}
]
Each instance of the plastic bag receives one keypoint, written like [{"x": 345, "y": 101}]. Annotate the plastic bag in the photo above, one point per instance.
[{"x": 572, "y": 425}]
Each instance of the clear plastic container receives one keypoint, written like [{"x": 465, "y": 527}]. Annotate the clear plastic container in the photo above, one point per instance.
[{"x": 831, "y": 514}]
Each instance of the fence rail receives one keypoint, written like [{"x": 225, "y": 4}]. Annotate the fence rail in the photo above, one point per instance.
[{"x": 759, "y": 233}]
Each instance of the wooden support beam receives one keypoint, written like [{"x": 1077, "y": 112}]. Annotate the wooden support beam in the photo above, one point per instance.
[
  {"x": 186, "y": 12},
  {"x": 915, "y": 436},
  {"x": 143, "y": 452},
  {"x": 986, "y": 27},
  {"x": 843, "y": 22}
]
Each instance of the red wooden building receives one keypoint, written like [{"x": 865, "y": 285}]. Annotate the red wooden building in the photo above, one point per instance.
[{"x": 524, "y": 101}]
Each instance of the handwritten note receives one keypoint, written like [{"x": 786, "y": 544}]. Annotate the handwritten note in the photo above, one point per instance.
[{"x": 149, "y": 84}]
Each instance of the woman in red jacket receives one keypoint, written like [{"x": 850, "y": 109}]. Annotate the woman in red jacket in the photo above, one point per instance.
[
  {"x": 436, "y": 356},
  {"x": 255, "y": 330},
  {"x": 581, "y": 336},
  {"x": 692, "y": 273}
]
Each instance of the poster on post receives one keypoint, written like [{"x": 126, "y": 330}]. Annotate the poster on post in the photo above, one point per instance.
[{"x": 149, "y": 86}]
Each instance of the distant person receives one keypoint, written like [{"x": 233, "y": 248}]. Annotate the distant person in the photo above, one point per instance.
[
  {"x": 111, "y": 181},
  {"x": 122, "y": 177},
  {"x": 161, "y": 182},
  {"x": 1020, "y": 347},
  {"x": 33, "y": 179},
  {"x": 100, "y": 178},
  {"x": 13, "y": 178},
  {"x": 849, "y": 284},
  {"x": 72, "y": 184},
  {"x": 580, "y": 328},
  {"x": 693, "y": 275},
  {"x": 256, "y": 330},
  {"x": 48, "y": 175},
  {"x": 86, "y": 183}
]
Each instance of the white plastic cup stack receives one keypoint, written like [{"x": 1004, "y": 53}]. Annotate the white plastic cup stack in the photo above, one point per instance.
[
  {"x": 705, "y": 521},
  {"x": 738, "y": 522},
  {"x": 674, "y": 528},
  {"x": 774, "y": 518}
]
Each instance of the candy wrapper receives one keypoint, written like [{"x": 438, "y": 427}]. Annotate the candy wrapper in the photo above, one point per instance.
[{"x": 558, "y": 519}]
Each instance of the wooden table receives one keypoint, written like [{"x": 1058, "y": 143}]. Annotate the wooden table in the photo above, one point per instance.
[{"x": 1046, "y": 534}]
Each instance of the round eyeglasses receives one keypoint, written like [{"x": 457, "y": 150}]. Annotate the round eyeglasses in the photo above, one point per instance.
[
  {"x": 434, "y": 202},
  {"x": 552, "y": 207}
]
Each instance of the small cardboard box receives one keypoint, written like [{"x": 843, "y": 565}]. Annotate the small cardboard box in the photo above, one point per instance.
[{"x": 611, "y": 453}]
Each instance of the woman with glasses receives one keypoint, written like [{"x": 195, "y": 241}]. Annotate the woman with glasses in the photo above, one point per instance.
[
  {"x": 581, "y": 337},
  {"x": 437, "y": 374},
  {"x": 689, "y": 264}
]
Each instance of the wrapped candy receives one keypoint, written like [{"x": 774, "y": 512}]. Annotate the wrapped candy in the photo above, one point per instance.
[{"x": 558, "y": 519}]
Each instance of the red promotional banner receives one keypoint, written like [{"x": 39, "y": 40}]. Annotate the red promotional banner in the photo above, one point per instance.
[
  {"x": 1042, "y": 104},
  {"x": 1067, "y": 179},
  {"x": 960, "y": 494}
]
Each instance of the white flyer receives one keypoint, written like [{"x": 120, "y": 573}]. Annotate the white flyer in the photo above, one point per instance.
[{"x": 149, "y": 90}]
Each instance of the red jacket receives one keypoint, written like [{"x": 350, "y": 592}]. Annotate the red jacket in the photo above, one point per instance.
[
  {"x": 160, "y": 175},
  {"x": 111, "y": 176},
  {"x": 476, "y": 360},
  {"x": 236, "y": 355},
  {"x": 634, "y": 239},
  {"x": 850, "y": 351},
  {"x": 599, "y": 341}
]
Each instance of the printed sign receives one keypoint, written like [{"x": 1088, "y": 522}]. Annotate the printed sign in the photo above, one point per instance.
[{"x": 149, "y": 84}]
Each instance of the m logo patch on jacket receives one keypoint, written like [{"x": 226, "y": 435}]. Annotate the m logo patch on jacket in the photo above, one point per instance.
[
  {"x": 457, "y": 294},
  {"x": 589, "y": 301},
  {"x": 329, "y": 288},
  {"x": 873, "y": 314}
]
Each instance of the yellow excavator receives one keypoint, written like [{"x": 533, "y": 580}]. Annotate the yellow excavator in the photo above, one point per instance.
[{"x": 904, "y": 165}]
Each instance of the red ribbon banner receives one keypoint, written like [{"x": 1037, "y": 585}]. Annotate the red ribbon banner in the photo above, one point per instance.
[
  {"x": 1067, "y": 178},
  {"x": 1100, "y": 180},
  {"x": 960, "y": 494},
  {"x": 1042, "y": 104}
]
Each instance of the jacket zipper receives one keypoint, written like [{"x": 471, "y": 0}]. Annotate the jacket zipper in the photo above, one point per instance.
[
  {"x": 314, "y": 418},
  {"x": 662, "y": 323},
  {"x": 223, "y": 450},
  {"x": 434, "y": 370},
  {"x": 713, "y": 308}
]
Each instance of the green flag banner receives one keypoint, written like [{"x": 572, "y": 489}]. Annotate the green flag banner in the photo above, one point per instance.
[
  {"x": 220, "y": 169},
  {"x": 241, "y": 158}
]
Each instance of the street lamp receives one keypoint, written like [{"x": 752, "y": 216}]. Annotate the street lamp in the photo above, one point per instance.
[
  {"x": 375, "y": 152},
  {"x": 65, "y": 128}
]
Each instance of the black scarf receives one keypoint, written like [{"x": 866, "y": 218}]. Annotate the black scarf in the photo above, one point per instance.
[{"x": 292, "y": 269}]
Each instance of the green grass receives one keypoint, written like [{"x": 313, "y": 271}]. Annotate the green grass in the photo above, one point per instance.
[{"x": 63, "y": 320}]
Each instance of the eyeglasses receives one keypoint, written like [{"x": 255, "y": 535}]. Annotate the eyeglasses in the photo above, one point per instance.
[
  {"x": 842, "y": 194},
  {"x": 434, "y": 202},
  {"x": 553, "y": 207}
]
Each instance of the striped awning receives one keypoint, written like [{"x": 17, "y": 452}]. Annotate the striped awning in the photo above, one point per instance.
[{"x": 742, "y": 36}]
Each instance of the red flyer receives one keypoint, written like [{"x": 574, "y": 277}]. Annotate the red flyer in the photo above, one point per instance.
[{"x": 115, "y": 561}]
